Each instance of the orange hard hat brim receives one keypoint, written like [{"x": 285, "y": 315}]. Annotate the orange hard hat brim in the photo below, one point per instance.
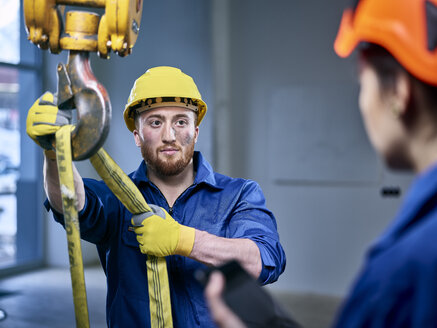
[
  {"x": 346, "y": 40},
  {"x": 395, "y": 25}
]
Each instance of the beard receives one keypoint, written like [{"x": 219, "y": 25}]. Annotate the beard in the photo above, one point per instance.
[{"x": 167, "y": 165}]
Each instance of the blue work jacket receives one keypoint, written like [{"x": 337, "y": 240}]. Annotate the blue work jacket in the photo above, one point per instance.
[
  {"x": 398, "y": 284},
  {"x": 220, "y": 205}
]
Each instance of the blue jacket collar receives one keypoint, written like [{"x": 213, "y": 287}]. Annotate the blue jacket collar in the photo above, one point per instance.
[
  {"x": 422, "y": 193},
  {"x": 204, "y": 172}
]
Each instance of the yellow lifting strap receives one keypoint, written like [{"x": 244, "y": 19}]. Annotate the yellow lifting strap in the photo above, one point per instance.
[
  {"x": 127, "y": 192},
  {"x": 65, "y": 169}
]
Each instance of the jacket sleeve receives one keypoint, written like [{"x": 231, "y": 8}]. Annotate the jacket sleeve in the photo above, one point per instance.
[
  {"x": 251, "y": 219},
  {"x": 101, "y": 216}
]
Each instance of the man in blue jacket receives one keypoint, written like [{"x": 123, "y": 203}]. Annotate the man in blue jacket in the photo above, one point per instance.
[{"x": 210, "y": 219}]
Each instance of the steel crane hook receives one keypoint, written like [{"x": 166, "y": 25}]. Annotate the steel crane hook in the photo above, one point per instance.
[{"x": 79, "y": 89}]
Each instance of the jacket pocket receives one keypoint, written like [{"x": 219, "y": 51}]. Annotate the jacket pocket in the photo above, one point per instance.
[{"x": 132, "y": 266}]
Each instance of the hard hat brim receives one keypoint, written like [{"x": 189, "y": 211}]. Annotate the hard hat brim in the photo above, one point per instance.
[{"x": 346, "y": 40}]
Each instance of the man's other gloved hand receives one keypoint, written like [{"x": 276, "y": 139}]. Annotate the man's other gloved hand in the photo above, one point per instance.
[
  {"x": 160, "y": 235},
  {"x": 44, "y": 119}
]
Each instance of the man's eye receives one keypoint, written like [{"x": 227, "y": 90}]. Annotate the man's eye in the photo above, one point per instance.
[
  {"x": 155, "y": 123},
  {"x": 181, "y": 122}
]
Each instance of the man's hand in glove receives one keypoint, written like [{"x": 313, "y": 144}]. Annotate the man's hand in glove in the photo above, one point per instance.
[
  {"x": 44, "y": 119},
  {"x": 160, "y": 235}
]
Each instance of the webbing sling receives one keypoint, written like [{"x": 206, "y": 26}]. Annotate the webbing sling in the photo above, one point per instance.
[
  {"x": 127, "y": 192},
  {"x": 68, "y": 193}
]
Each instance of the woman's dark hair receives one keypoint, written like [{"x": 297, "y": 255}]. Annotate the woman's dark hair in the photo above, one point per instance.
[{"x": 387, "y": 68}]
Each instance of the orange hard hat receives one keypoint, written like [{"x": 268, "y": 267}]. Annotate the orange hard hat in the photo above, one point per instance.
[{"x": 405, "y": 28}]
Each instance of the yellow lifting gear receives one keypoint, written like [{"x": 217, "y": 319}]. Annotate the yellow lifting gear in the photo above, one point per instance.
[{"x": 116, "y": 30}]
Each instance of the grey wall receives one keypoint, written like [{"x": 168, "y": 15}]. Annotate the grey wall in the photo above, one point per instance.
[
  {"x": 282, "y": 111},
  {"x": 296, "y": 129}
]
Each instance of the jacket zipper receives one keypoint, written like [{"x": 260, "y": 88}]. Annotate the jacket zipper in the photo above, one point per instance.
[{"x": 170, "y": 208}]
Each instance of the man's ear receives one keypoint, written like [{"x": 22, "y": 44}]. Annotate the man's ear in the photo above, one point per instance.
[
  {"x": 137, "y": 138},
  {"x": 196, "y": 134}
]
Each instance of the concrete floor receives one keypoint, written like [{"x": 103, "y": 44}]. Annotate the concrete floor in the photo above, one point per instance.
[
  {"x": 310, "y": 310},
  {"x": 44, "y": 298}
]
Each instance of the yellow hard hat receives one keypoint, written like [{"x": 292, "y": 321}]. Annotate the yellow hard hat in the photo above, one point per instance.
[{"x": 163, "y": 86}]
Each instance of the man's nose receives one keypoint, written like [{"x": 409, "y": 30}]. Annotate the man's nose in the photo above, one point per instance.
[{"x": 168, "y": 133}]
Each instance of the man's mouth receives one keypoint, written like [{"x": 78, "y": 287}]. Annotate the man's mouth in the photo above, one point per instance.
[{"x": 169, "y": 151}]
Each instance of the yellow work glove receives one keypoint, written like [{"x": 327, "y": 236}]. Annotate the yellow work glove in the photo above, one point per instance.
[
  {"x": 44, "y": 119},
  {"x": 160, "y": 235}
]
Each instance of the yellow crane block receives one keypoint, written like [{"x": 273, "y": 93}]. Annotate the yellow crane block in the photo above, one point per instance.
[{"x": 117, "y": 29}]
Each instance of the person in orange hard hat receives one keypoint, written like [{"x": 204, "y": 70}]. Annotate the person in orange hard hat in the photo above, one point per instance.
[
  {"x": 396, "y": 41},
  {"x": 200, "y": 217}
]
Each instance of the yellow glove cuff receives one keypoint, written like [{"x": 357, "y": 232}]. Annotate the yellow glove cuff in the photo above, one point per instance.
[{"x": 186, "y": 240}]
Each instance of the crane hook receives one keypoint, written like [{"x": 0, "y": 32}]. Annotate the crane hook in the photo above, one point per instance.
[{"x": 79, "y": 89}]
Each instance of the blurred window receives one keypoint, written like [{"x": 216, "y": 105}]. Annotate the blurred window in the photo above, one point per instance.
[
  {"x": 20, "y": 84},
  {"x": 10, "y": 31},
  {"x": 9, "y": 161}
]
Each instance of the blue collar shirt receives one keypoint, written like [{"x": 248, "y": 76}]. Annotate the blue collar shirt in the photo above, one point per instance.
[{"x": 223, "y": 206}]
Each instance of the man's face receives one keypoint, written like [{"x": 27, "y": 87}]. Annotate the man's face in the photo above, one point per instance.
[{"x": 167, "y": 136}]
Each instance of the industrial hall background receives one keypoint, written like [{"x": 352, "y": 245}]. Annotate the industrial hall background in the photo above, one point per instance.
[{"x": 282, "y": 110}]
